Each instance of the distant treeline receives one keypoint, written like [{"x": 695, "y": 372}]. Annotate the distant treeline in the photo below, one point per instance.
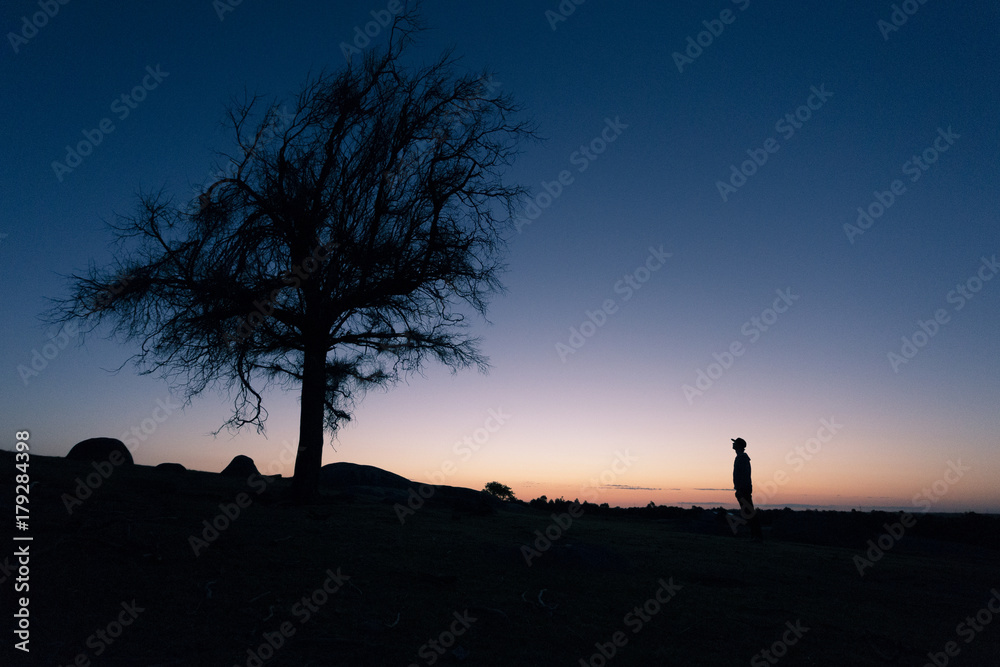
[{"x": 826, "y": 527}]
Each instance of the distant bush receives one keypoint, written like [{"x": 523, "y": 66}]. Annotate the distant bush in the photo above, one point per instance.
[{"x": 501, "y": 491}]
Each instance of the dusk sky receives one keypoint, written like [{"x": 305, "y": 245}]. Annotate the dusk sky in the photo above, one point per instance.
[{"x": 772, "y": 223}]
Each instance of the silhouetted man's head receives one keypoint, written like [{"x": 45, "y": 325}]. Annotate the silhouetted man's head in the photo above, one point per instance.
[{"x": 739, "y": 444}]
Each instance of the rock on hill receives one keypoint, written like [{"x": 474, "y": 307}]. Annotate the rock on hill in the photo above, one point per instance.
[
  {"x": 343, "y": 474},
  {"x": 241, "y": 466},
  {"x": 100, "y": 449}
]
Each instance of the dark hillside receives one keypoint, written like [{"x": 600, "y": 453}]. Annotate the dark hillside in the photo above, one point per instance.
[{"x": 134, "y": 577}]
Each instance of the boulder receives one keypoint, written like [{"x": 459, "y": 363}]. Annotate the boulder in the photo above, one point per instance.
[
  {"x": 241, "y": 467},
  {"x": 390, "y": 487},
  {"x": 342, "y": 475},
  {"x": 100, "y": 449},
  {"x": 175, "y": 468}
]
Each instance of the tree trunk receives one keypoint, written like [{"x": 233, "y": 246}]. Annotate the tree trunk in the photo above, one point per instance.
[{"x": 308, "y": 461}]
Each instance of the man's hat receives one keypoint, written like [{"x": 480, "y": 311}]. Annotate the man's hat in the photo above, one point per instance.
[{"x": 740, "y": 442}]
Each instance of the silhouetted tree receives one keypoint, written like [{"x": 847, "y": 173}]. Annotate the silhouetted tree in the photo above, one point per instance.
[
  {"x": 541, "y": 503},
  {"x": 346, "y": 242},
  {"x": 501, "y": 491}
]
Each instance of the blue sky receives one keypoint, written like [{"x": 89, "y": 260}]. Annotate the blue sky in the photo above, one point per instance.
[{"x": 818, "y": 110}]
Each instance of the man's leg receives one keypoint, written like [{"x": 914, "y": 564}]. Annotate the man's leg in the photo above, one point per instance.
[
  {"x": 755, "y": 519},
  {"x": 749, "y": 512}
]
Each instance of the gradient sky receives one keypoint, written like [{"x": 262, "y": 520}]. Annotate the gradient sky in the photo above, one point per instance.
[{"x": 829, "y": 418}]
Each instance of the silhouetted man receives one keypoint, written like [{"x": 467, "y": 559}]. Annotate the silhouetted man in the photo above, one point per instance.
[{"x": 744, "y": 487}]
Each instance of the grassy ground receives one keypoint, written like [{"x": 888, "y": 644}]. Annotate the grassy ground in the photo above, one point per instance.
[{"x": 458, "y": 579}]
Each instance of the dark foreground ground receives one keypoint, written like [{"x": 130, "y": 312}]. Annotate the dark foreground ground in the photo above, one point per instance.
[{"x": 344, "y": 582}]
